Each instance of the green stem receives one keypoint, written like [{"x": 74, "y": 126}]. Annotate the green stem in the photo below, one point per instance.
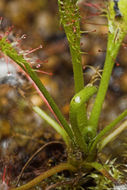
[
  {"x": 8, "y": 50},
  {"x": 70, "y": 19},
  {"x": 52, "y": 123},
  {"x": 48, "y": 173},
  {"x": 77, "y": 101},
  {"x": 112, "y": 136},
  {"x": 107, "y": 129},
  {"x": 51, "y": 102},
  {"x": 112, "y": 51}
]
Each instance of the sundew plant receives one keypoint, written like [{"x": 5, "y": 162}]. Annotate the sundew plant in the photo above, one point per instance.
[{"x": 80, "y": 133}]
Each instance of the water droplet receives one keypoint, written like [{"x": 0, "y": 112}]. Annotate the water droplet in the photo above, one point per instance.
[
  {"x": 23, "y": 36},
  {"x": 77, "y": 99},
  {"x": 38, "y": 66},
  {"x": 40, "y": 46},
  {"x": 21, "y": 52}
]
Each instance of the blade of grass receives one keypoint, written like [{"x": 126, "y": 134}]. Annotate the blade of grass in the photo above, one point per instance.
[
  {"x": 113, "y": 135},
  {"x": 52, "y": 123},
  {"x": 104, "y": 132}
]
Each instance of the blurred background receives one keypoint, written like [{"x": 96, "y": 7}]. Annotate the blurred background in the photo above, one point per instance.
[{"x": 37, "y": 23}]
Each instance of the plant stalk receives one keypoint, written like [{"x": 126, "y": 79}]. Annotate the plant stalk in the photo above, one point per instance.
[
  {"x": 114, "y": 41},
  {"x": 8, "y": 50},
  {"x": 59, "y": 168},
  {"x": 52, "y": 123},
  {"x": 112, "y": 136},
  {"x": 77, "y": 101},
  {"x": 70, "y": 19},
  {"x": 102, "y": 133}
]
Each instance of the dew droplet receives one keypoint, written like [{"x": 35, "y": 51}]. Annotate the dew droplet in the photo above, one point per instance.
[
  {"x": 38, "y": 66},
  {"x": 23, "y": 36},
  {"x": 78, "y": 99},
  {"x": 40, "y": 46}
]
